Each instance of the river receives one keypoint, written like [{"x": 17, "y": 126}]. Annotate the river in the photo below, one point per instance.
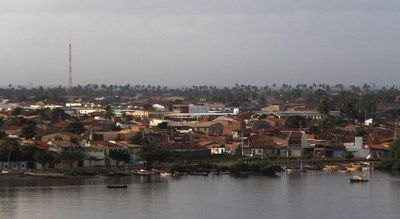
[{"x": 313, "y": 194}]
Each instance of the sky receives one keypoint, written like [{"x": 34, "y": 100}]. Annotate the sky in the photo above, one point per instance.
[{"x": 200, "y": 42}]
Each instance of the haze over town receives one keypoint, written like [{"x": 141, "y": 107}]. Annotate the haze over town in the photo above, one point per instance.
[{"x": 179, "y": 43}]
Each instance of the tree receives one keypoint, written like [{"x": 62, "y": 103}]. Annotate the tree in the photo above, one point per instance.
[
  {"x": 9, "y": 150},
  {"x": 324, "y": 106},
  {"x": 120, "y": 155},
  {"x": 139, "y": 138},
  {"x": 108, "y": 112},
  {"x": 261, "y": 124},
  {"x": 162, "y": 125},
  {"x": 393, "y": 161},
  {"x": 58, "y": 114},
  {"x": 2, "y": 135},
  {"x": 26, "y": 152},
  {"x": 152, "y": 153},
  {"x": 395, "y": 149},
  {"x": 147, "y": 106},
  {"x": 295, "y": 122},
  {"x": 17, "y": 111},
  {"x": 76, "y": 128},
  {"x": 43, "y": 157},
  {"x": 348, "y": 155},
  {"x": 72, "y": 156},
  {"x": 28, "y": 131}
]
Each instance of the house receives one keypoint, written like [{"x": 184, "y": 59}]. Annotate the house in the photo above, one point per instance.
[
  {"x": 122, "y": 135},
  {"x": 357, "y": 148},
  {"x": 274, "y": 108},
  {"x": 334, "y": 151},
  {"x": 379, "y": 151},
  {"x": 14, "y": 166},
  {"x": 97, "y": 153},
  {"x": 260, "y": 150},
  {"x": 12, "y": 131},
  {"x": 61, "y": 125},
  {"x": 328, "y": 151},
  {"x": 181, "y": 127},
  {"x": 59, "y": 136},
  {"x": 42, "y": 146},
  {"x": 214, "y": 147},
  {"x": 296, "y": 142},
  {"x": 260, "y": 144},
  {"x": 231, "y": 147},
  {"x": 229, "y": 125},
  {"x": 311, "y": 114},
  {"x": 209, "y": 128}
]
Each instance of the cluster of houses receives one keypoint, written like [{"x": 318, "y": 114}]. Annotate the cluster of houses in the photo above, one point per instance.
[{"x": 209, "y": 128}]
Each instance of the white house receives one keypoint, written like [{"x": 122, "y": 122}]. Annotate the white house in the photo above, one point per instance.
[
  {"x": 356, "y": 148},
  {"x": 296, "y": 142},
  {"x": 158, "y": 107}
]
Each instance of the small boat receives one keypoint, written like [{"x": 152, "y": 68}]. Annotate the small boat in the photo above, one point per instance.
[
  {"x": 290, "y": 170},
  {"x": 177, "y": 174},
  {"x": 352, "y": 167},
  {"x": 200, "y": 173},
  {"x": 5, "y": 172},
  {"x": 117, "y": 186},
  {"x": 329, "y": 168},
  {"x": 358, "y": 179},
  {"x": 165, "y": 174},
  {"x": 295, "y": 169},
  {"x": 142, "y": 172}
]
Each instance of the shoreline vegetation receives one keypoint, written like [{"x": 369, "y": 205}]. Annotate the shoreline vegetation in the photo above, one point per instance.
[{"x": 237, "y": 168}]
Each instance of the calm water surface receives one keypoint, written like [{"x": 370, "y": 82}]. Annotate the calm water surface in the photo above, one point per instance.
[{"x": 299, "y": 195}]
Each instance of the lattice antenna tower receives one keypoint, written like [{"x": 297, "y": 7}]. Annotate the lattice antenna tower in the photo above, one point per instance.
[{"x": 70, "y": 61}]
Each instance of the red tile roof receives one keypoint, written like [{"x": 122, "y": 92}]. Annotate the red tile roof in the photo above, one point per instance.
[{"x": 41, "y": 144}]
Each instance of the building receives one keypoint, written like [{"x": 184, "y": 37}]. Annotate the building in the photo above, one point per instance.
[{"x": 296, "y": 142}]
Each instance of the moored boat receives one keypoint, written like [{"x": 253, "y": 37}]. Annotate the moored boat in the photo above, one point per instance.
[
  {"x": 358, "y": 179},
  {"x": 352, "y": 167},
  {"x": 200, "y": 173},
  {"x": 329, "y": 168},
  {"x": 117, "y": 186},
  {"x": 6, "y": 172},
  {"x": 142, "y": 172},
  {"x": 165, "y": 174}
]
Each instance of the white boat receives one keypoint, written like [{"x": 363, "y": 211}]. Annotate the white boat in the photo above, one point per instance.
[
  {"x": 5, "y": 171},
  {"x": 358, "y": 179},
  {"x": 142, "y": 172},
  {"x": 165, "y": 174}
]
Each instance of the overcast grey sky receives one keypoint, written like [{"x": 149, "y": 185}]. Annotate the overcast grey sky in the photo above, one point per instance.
[{"x": 213, "y": 42}]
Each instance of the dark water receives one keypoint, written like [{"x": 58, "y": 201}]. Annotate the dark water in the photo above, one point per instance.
[{"x": 299, "y": 195}]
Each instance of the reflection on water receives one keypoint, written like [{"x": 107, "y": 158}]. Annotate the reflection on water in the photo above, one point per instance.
[{"x": 297, "y": 195}]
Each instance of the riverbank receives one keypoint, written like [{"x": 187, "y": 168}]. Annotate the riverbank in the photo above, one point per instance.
[{"x": 238, "y": 167}]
